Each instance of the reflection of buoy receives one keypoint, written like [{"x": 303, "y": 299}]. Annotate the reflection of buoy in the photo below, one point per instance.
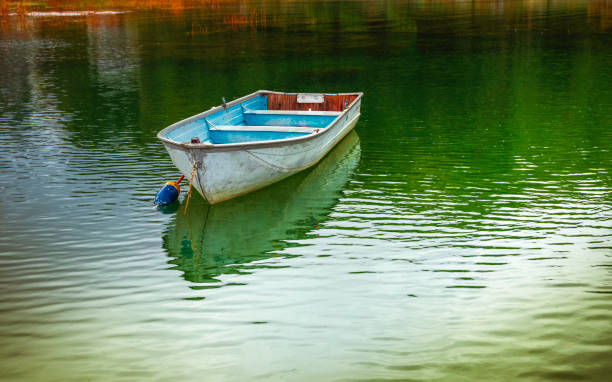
[
  {"x": 168, "y": 208},
  {"x": 168, "y": 193}
]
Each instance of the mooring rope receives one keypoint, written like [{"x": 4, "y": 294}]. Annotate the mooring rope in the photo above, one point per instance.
[{"x": 190, "y": 183}]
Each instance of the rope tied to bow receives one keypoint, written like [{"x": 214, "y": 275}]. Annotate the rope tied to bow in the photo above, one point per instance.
[{"x": 190, "y": 183}]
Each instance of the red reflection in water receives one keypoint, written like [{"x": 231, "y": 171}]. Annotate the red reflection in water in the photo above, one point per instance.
[{"x": 22, "y": 17}]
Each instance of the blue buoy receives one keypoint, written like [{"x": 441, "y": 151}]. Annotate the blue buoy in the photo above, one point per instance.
[{"x": 168, "y": 193}]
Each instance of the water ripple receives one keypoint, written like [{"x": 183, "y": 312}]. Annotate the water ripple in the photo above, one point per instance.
[{"x": 464, "y": 232}]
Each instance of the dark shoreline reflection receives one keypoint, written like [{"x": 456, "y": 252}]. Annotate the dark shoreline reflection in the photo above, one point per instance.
[{"x": 209, "y": 241}]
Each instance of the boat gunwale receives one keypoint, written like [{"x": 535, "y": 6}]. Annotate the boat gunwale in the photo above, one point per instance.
[{"x": 211, "y": 147}]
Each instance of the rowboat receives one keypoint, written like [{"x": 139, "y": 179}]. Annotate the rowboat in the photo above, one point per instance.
[{"x": 259, "y": 139}]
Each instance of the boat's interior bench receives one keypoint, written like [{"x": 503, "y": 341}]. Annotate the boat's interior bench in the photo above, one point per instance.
[
  {"x": 289, "y": 118},
  {"x": 294, "y": 129},
  {"x": 241, "y": 134}
]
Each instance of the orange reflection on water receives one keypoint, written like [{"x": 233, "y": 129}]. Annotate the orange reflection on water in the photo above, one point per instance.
[
  {"x": 407, "y": 15},
  {"x": 603, "y": 8},
  {"x": 96, "y": 5}
]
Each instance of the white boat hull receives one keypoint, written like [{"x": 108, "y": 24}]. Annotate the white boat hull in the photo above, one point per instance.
[{"x": 228, "y": 151}]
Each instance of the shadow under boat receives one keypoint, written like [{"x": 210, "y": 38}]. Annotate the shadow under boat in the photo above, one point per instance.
[{"x": 211, "y": 240}]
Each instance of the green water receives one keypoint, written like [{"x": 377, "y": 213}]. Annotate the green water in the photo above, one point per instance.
[{"x": 463, "y": 231}]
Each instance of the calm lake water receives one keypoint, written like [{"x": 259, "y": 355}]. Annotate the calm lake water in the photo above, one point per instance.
[{"x": 462, "y": 232}]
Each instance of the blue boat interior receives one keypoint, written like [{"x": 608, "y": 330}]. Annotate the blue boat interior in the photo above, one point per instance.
[{"x": 252, "y": 121}]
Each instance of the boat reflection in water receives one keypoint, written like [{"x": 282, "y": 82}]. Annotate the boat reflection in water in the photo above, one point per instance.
[{"x": 211, "y": 240}]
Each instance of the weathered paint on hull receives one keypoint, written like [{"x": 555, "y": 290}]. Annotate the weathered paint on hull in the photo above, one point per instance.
[{"x": 222, "y": 175}]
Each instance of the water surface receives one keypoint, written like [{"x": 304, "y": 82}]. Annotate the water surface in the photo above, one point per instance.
[{"x": 463, "y": 232}]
